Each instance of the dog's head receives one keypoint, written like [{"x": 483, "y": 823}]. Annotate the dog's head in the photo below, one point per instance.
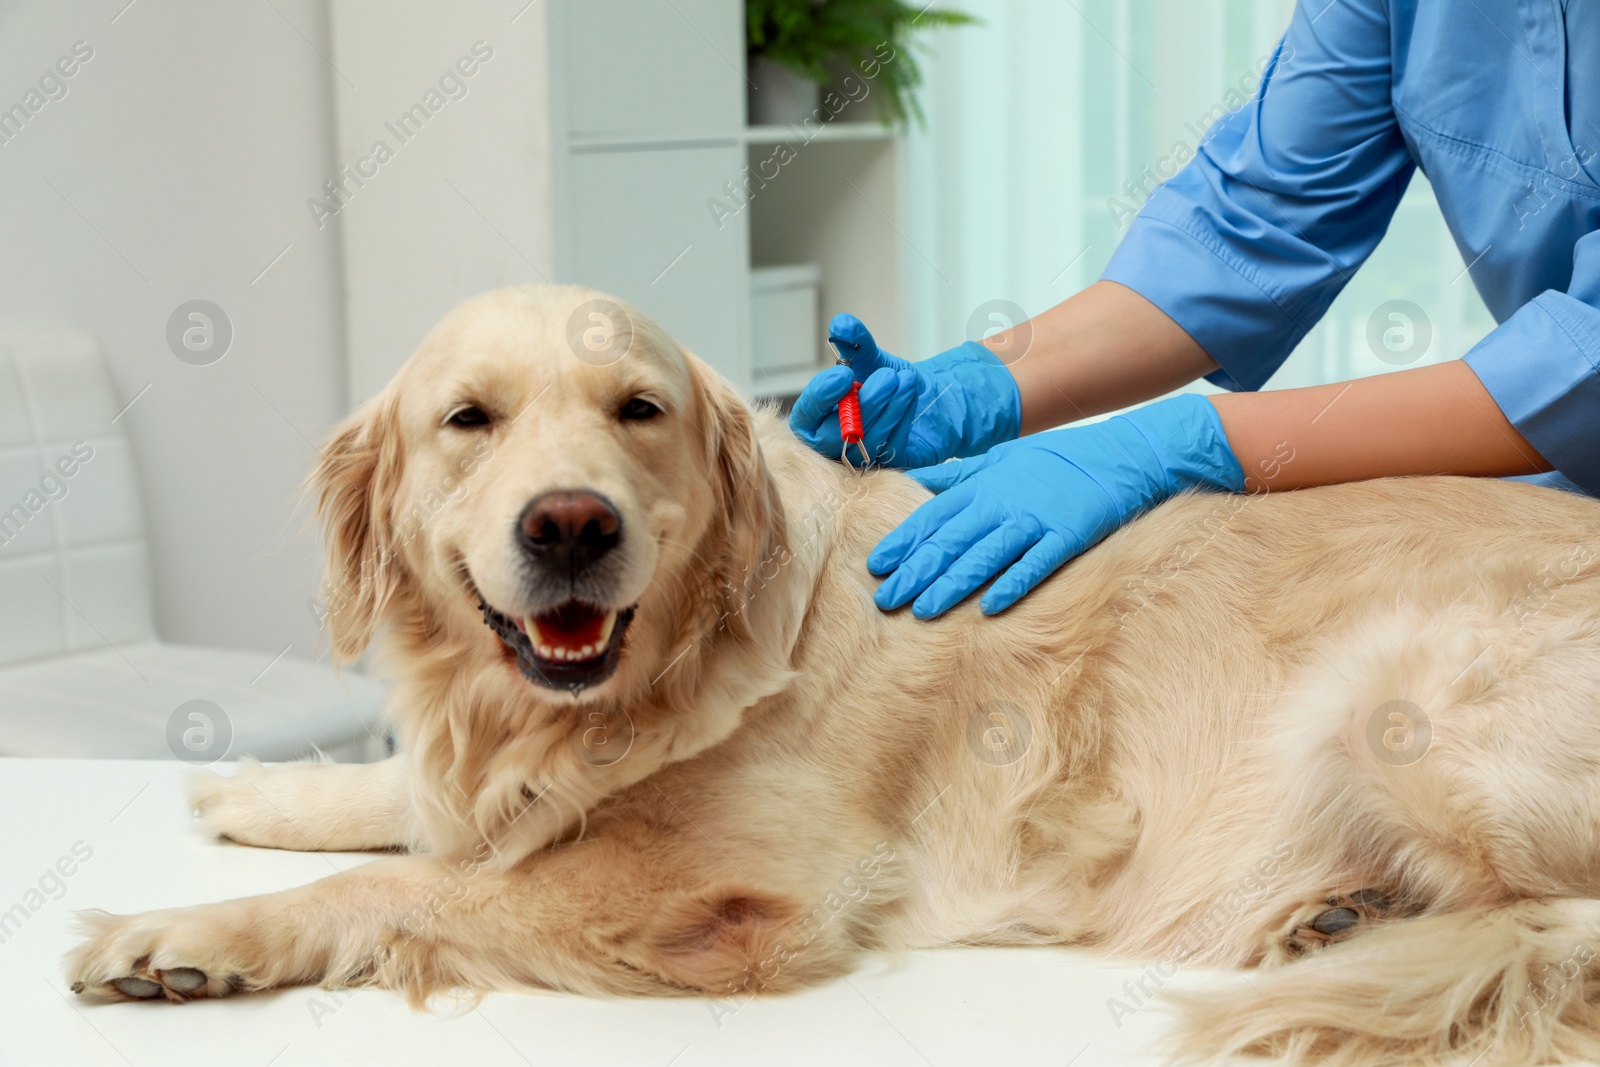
[{"x": 552, "y": 463}]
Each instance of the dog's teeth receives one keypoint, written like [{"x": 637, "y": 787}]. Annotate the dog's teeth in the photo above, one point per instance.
[{"x": 565, "y": 653}]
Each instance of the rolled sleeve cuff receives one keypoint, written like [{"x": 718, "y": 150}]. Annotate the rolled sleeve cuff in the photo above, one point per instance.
[
  {"x": 1542, "y": 367},
  {"x": 1177, "y": 261}
]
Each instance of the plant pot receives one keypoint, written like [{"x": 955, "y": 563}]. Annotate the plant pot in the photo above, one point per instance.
[{"x": 779, "y": 95}]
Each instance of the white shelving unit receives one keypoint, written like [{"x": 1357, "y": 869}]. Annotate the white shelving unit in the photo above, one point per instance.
[{"x": 834, "y": 131}]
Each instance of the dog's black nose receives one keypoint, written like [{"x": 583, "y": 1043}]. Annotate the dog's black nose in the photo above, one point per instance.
[{"x": 568, "y": 530}]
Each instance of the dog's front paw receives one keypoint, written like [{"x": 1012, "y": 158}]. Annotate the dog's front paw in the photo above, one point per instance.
[
  {"x": 169, "y": 954},
  {"x": 242, "y": 808}
]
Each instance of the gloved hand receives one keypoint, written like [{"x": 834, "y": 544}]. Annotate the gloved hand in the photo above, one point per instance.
[
  {"x": 1028, "y": 506},
  {"x": 959, "y": 403}
]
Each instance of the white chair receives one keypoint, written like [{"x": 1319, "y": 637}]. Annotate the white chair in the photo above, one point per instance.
[{"x": 82, "y": 671}]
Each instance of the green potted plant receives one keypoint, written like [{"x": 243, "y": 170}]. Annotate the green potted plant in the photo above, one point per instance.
[{"x": 798, "y": 46}]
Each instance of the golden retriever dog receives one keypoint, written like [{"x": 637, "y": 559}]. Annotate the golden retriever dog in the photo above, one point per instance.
[{"x": 655, "y": 739}]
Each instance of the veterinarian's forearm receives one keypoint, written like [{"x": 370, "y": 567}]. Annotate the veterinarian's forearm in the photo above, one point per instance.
[
  {"x": 1105, "y": 348},
  {"x": 1437, "y": 419}
]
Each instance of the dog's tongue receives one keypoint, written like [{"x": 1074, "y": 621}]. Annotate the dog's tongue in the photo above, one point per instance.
[{"x": 572, "y": 631}]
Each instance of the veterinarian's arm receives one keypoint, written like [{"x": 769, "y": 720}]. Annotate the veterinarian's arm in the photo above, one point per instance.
[
  {"x": 1104, "y": 349},
  {"x": 1247, "y": 246},
  {"x": 1429, "y": 420},
  {"x": 1222, "y": 271},
  {"x": 1526, "y": 399}
]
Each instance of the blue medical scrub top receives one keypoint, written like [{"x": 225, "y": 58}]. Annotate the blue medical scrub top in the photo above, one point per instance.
[{"x": 1247, "y": 246}]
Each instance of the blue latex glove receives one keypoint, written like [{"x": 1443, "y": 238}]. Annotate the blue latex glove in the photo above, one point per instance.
[
  {"x": 959, "y": 403},
  {"x": 1028, "y": 506}
]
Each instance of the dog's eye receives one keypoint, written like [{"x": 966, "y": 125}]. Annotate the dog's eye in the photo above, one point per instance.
[
  {"x": 467, "y": 417},
  {"x": 639, "y": 408}
]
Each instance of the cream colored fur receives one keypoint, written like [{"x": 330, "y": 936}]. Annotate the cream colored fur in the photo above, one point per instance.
[{"x": 1166, "y": 751}]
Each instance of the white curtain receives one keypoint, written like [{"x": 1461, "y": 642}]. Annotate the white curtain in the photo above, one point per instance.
[{"x": 1039, "y": 117}]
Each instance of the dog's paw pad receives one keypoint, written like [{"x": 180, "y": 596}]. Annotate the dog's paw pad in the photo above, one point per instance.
[
  {"x": 1338, "y": 918},
  {"x": 137, "y": 988},
  {"x": 1335, "y": 921},
  {"x": 183, "y": 979},
  {"x": 174, "y": 983}
]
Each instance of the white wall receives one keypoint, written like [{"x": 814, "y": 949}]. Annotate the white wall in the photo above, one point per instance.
[
  {"x": 187, "y": 147},
  {"x": 463, "y": 205}
]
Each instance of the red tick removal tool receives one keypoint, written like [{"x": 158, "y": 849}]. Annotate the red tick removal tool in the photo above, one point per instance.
[{"x": 850, "y": 414}]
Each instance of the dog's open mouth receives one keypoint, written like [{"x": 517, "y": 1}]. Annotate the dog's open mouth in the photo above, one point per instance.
[{"x": 571, "y": 647}]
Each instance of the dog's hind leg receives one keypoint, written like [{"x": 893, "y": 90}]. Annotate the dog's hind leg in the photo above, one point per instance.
[
  {"x": 1451, "y": 763},
  {"x": 1514, "y": 984},
  {"x": 308, "y": 807}
]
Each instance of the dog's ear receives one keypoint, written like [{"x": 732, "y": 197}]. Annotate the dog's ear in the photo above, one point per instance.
[
  {"x": 745, "y": 498},
  {"x": 355, "y": 485}
]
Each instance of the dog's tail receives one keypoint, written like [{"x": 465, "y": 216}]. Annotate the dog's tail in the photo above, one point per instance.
[{"x": 1518, "y": 984}]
